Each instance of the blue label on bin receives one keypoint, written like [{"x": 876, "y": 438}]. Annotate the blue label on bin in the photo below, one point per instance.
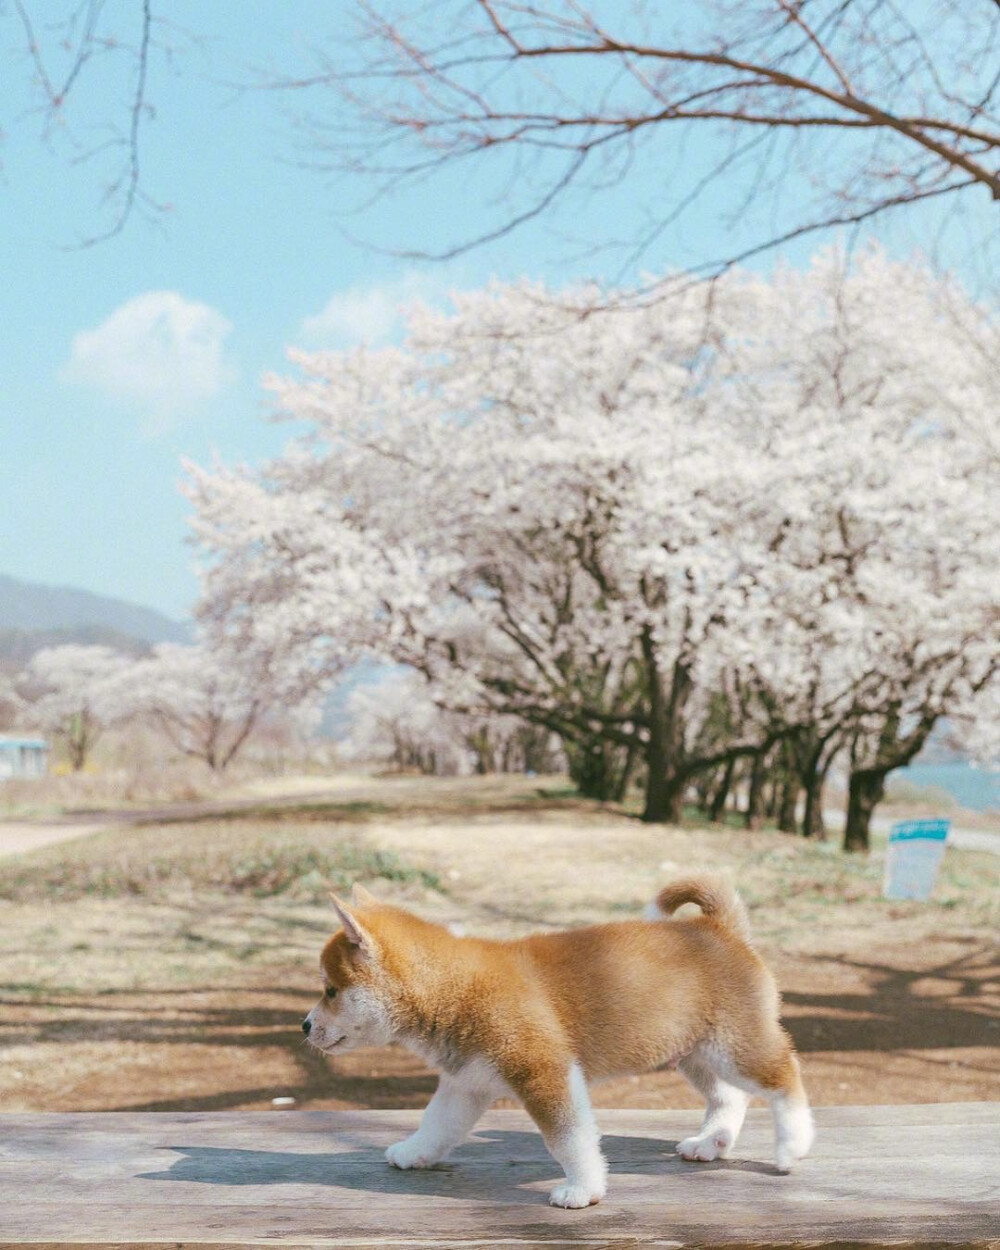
[{"x": 911, "y": 830}]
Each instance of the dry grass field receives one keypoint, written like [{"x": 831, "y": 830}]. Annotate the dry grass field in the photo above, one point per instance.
[{"x": 169, "y": 966}]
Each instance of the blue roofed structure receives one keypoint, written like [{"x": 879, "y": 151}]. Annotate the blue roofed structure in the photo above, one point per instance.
[{"x": 22, "y": 757}]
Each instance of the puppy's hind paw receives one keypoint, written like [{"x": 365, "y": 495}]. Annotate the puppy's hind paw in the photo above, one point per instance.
[
  {"x": 795, "y": 1138},
  {"x": 409, "y": 1154},
  {"x": 575, "y": 1196},
  {"x": 704, "y": 1149}
]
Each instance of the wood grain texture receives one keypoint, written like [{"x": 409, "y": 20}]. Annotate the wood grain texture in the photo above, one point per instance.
[{"x": 878, "y": 1176}]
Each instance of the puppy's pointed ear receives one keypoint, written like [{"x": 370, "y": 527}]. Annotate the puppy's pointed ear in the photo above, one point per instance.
[
  {"x": 361, "y": 897},
  {"x": 355, "y": 934}
]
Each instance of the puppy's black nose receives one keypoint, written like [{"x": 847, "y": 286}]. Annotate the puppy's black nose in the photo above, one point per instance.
[{"x": 306, "y": 1026}]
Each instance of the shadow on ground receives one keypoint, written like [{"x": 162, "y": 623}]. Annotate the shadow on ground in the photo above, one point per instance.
[
  {"x": 239, "y": 1048},
  {"x": 486, "y": 1156}
]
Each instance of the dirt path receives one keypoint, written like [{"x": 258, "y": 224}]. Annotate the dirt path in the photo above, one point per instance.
[
  {"x": 19, "y": 838},
  {"x": 22, "y": 836}
]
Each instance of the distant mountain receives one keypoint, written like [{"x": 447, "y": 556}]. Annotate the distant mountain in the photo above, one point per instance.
[
  {"x": 27, "y": 608},
  {"x": 18, "y": 646}
]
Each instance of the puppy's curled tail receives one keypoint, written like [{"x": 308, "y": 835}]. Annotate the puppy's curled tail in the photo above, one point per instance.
[{"x": 714, "y": 895}]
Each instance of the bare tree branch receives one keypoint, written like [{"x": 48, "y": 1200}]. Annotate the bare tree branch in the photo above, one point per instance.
[
  {"x": 547, "y": 101},
  {"x": 914, "y": 95},
  {"x": 79, "y": 42}
]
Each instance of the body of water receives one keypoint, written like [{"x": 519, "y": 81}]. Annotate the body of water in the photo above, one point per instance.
[{"x": 975, "y": 788}]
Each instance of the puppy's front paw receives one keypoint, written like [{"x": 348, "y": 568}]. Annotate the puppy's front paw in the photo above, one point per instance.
[
  {"x": 575, "y": 1196},
  {"x": 409, "y": 1153},
  {"x": 704, "y": 1149}
]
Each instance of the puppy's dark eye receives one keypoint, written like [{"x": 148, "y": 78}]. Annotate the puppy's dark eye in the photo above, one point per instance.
[{"x": 331, "y": 991}]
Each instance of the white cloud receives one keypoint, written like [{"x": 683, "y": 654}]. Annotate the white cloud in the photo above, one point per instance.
[
  {"x": 159, "y": 353},
  {"x": 370, "y": 313}
]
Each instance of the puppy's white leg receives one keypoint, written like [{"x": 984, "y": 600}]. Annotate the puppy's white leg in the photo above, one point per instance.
[
  {"x": 456, "y": 1106},
  {"x": 793, "y": 1128},
  {"x": 724, "y": 1114},
  {"x": 576, "y": 1147},
  {"x": 772, "y": 1073},
  {"x": 781, "y": 1084}
]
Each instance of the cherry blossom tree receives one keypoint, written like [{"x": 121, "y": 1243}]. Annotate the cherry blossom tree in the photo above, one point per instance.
[
  {"x": 12, "y": 704},
  {"x": 890, "y": 583},
  {"x": 479, "y": 538},
  {"x": 768, "y": 495},
  {"x": 208, "y": 700},
  {"x": 78, "y": 694},
  {"x": 922, "y": 685},
  {"x": 396, "y": 719}
]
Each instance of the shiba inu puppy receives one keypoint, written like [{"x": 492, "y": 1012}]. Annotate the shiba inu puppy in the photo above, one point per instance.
[{"x": 541, "y": 1017}]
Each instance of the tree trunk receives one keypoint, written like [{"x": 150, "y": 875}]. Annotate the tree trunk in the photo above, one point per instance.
[
  {"x": 790, "y": 786},
  {"x": 591, "y": 768},
  {"x": 864, "y": 794},
  {"x": 812, "y": 820},
  {"x": 535, "y": 749},
  {"x": 787, "y": 821},
  {"x": 664, "y": 798},
  {"x": 722, "y": 793},
  {"x": 755, "y": 798},
  {"x": 867, "y": 784},
  {"x": 814, "y": 753},
  {"x": 702, "y": 787},
  {"x": 773, "y": 805},
  {"x": 666, "y": 779},
  {"x": 76, "y": 741},
  {"x": 625, "y": 775},
  {"x": 665, "y": 783},
  {"x": 479, "y": 744}
]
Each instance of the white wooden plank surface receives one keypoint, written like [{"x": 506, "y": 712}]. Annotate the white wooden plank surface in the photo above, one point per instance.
[{"x": 878, "y": 1176}]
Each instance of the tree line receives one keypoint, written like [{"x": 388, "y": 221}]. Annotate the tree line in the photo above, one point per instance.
[{"x": 749, "y": 528}]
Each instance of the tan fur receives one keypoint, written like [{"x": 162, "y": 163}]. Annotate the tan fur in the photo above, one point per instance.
[
  {"x": 613, "y": 999},
  {"x": 715, "y": 897}
]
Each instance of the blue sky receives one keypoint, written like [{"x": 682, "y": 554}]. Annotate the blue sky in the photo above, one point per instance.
[{"x": 120, "y": 359}]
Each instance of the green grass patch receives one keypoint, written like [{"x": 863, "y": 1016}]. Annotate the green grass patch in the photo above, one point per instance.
[
  {"x": 231, "y": 857},
  {"x": 353, "y": 812}
]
